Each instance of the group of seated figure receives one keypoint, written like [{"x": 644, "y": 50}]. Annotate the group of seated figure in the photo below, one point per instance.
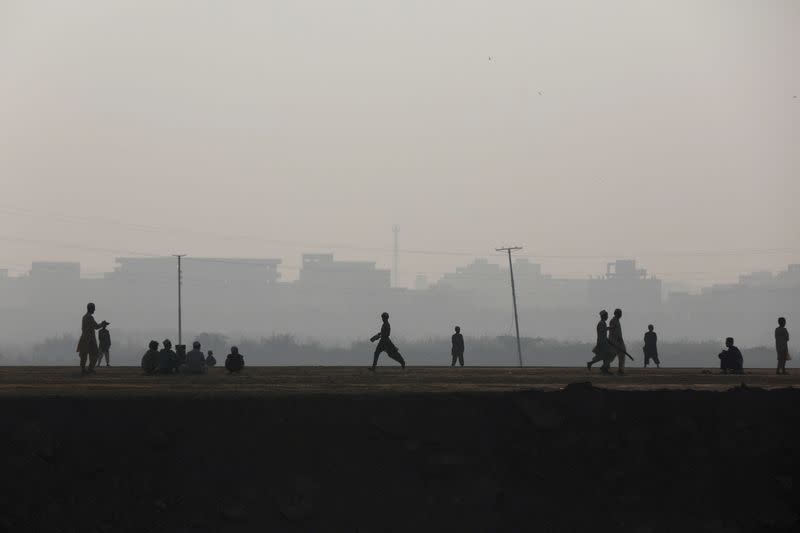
[{"x": 167, "y": 361}]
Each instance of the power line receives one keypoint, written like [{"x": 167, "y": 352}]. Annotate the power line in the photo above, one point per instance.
[{"x": 14, "y": 211}]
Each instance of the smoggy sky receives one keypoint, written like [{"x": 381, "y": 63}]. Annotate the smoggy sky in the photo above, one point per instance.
[{"x": 667, "y": 131}]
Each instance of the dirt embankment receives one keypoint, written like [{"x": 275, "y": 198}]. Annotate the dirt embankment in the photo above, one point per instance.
[{"x": 578, "y": 459}]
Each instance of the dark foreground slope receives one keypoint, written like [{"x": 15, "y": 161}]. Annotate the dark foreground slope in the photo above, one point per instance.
[{"x": 578, "y": 459}]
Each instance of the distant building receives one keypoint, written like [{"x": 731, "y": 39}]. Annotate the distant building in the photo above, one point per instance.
[
  {"x": 217, "y": 293},
  {"x": 49, "y": 295},
  {"x": 50, "y": 271},
  {"x": 523, "y": 268},
  {"x": 322, "y": 271},
  {"x": 790, "y": 278},
  {"x": 624, "y": 269},
  {"x": 478, "y": 275},
  {"x": 490, "y": 285},
  {"x": 338, "y": 298},
  {"x": 755, "y": 279},
  {"x": 239, "y": 271},
  {"x": 625, "y": 286}
]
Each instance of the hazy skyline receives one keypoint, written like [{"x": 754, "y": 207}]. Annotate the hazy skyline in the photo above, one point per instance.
[{"x": 661, "y": 131}]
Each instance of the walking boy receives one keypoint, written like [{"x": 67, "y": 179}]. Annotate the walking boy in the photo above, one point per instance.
[{"x": 385, "y": 344}]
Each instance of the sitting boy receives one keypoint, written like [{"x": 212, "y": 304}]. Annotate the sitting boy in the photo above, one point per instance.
[
  {"x": 234, "y": 362},
  {"x": 150, "y": 359},
  {"x": 731, "y": 360},
  {"x": 195, "y": 361}
]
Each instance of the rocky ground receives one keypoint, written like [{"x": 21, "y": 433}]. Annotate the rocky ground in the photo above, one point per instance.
[{"x": 397, "y": 452}]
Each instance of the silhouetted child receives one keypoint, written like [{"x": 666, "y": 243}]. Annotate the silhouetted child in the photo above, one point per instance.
[
  {"x": 167, "y": 359},
  {"x": 104, "y": 337},
  {"x": 195, "y": 361},
  {"x": 210, "y": 359},
  {"x": 385, "y": 344},
  {"x": 457, "y": 350},
  {"x": 180, "y": 356},
  {"x": 150, "y": 359},
  {"x": 731, "y": 360},
  {"x": 650, "y": 347},
  {"x": 235, "y": 361},
  {"x": 782, "y": 345}
]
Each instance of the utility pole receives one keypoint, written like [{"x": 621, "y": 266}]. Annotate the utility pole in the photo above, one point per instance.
[
  {"x": 396, "y": 230},
  {"x": 509, "y": 249},
  {"x": 180, "y": 282}
]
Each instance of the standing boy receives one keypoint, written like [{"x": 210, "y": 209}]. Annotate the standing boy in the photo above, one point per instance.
[
  {"x": 105, "y": 344},
  {"x": 782, "y": 345},
  {"x": 651, "y": 347},
  {"x": 457, "y": 351}
]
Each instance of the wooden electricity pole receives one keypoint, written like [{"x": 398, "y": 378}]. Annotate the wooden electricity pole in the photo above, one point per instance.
[
  {"x": 180, "y": 282},
  {"x": 510, "y": 249}
]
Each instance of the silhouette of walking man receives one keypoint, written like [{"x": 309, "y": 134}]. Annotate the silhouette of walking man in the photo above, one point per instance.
[
  {"x": 457, "y": 351},
  {"x": 105, "y": 345},
  {"x": 617, "y": 344},
  {"x": 601, "y": 350},
  {"x": 782, "y": 345},
  {"x": 650, "y": 347},
  {"x": 385, "y": 344},
  {"x": 87, "y": 345}
]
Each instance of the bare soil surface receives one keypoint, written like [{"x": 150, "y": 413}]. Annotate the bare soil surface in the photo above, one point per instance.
[
  {"x": 428, "y": 449},
  {"x": 59, "y": 381}
]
